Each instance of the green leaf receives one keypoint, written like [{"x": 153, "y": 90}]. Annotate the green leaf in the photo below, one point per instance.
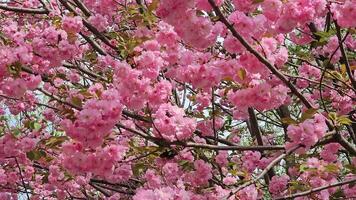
[
  {"x": 337, "y": 195},
  {"x": 241, "y": 73},
  {"x": 324, "y": 34},
  {"x": 344, "y": 119},
  {"x": 332, "y": 168},
  {"x": 35, "y": 154},
  {"x": 153, "y": 6},
  {"x": 332, "y": 116},
  {"x": 289, "y": 121},
  {"x": 308, "y": 114},
  {"x": 315, "y": 44},
  {"x": 77, "y": 101},
  {"x": 138, "y": 169},
  {"x": 55, "y": 141},
  {"x": 16, "y": 132},
  {"x": 352, "y": 168},
  {"x": 36, "y": 126},
  {"x": 303, "y": 168},
  {"x": 297, "y": 186},
  {"x": 257, "y": 1},
  {"x": 337, "y": 75}
]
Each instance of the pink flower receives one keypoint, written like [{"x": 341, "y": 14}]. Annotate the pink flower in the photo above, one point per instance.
[
  {"x": 27, "y": 144},
  {"x": 3, "y": 177},
  {"x": 171, "y": 124},
  {"x": 96, "y": 119},
  {"x": 278, "y": 184},
  {"x": 195, "y": 30},
  {"x": 153, "y": 180},
  {"x": 349, "y": 189},
  {"x": 248, "y": 193},
  {"x": 166, "y": 193},
  {"x": 150, "y": 62},
  {"x": 205, "y": 5},
  {"x": 307, "y": 133},
  {"x": 329, "y": 152},
  {"x": 171, "y": 172},
  {"x": 99, "y": 22},
  {"x": 202, "y": 173},
  {"x": 229, "y": 180},
  {"x": 72, "y": 24},
  {"x": 145, "y": 194},
  {"x": 244, "y": 5},
  {"x": 221, "y": 158},
  {"x": 272, "y": 9},
  {"x": 261, "y": 97},
  {"x": 251, "y": 160},
  {"x": 345, "y": 13}
]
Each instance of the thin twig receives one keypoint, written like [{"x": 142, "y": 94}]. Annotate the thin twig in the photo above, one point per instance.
[
  {"x": 23, "y": 181},
  {"x": 344, "y": 55}
]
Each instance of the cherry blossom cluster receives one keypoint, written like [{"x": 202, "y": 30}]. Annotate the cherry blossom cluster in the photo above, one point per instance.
[{"x": 177, "y": 99}]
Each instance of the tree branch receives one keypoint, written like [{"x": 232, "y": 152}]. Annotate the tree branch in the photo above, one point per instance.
[
  {"x": 234, "y": 148},
  {"x": 23, "y": 181},
  {"x": 344, "y": 143},
  {"x": 308, "y": 192},
  {"x": 23, "y": 10},
  {"x": 254, "y": 128},
  {"x": 344, "y": 56}
]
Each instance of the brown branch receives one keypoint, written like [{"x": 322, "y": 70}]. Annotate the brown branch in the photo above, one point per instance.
[
  {"x": 85, "y": 71},
  {"x": 58, "y": 99},
  {"x": 94, "y": 44},
  {"x": 308, "y": 192},
  {"x": 23, "y": 10},
  {"x": 101, "y": 190},
  {"x": 82, "y": 7},
  {"x": 344, "y": 56},
  {"x": 128, "y": 192},
  {"x": 232, "y": 148},
  {"x": 344, "y": 143},
  {"x": 254, "y": 128},
  {"x": 23, "y": 181}
]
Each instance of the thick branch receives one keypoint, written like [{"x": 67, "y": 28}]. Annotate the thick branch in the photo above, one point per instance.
[
  {"x": 23, "y": 10},
  {"x": 344, "y": 143},
  {"x": 318, "y": 189},
  {"x": 101, "y": 190},
  {"x": 234, "y": 148},
  {"x": 82, "y": 7},
  {"x": 254, "y": 128}
]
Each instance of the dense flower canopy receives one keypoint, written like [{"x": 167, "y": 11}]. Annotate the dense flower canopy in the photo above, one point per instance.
[{"x": 177, "y": 99}]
